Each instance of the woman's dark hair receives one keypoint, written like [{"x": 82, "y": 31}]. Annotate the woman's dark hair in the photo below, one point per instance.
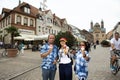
[{"x": 86, "y": 46}]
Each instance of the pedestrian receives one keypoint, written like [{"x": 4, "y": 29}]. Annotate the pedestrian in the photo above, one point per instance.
[
  {"x": 16, "y": 44},
  {"x": 94, "y": 45},
  {"x": 49, "y": 54},
  {"x": 21, "y": 48},
  {"x": 1, "y": 44},
  {"x": 65, "y": 61},
  {"x": 81, "y": 62},
  {"x": 88, "y": 46}
]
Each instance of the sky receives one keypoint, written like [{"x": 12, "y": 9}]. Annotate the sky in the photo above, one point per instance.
[{"x": 78, "y": 12}]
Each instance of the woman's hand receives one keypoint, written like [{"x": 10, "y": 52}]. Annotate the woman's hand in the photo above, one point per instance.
[{"x": 55, "y": 61}]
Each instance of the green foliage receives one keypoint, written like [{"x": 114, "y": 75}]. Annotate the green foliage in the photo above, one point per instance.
[
  {"x": 70, "y": 38},
  {"x": 105, "y": 43},
  {"x": 13, "y": 31}
]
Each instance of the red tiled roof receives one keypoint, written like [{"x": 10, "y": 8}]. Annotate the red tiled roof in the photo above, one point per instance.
[
  {"x": 56, "y": 17},
  {"x": 6, "y": 10},
  {"x": 33, "y": 10},
  {"x": 61, "y": 20}
]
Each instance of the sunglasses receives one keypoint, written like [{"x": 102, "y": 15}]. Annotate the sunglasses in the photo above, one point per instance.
[{"x": 82, "y": 45}]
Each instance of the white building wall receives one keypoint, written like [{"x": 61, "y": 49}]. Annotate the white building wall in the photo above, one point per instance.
[{"x": 22, "y": 19}]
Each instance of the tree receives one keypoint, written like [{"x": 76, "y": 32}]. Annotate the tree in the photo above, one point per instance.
[
  {"x": 68, "y": 35},
  {"x": 13, "y": 31},
  {"x": 105, "y": 43}
]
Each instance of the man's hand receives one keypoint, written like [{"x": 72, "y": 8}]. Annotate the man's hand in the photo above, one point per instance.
[{"x": 50, "y": 48}]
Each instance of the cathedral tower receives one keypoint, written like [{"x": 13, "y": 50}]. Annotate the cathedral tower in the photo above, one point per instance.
[{"x": 102, "y": 24}]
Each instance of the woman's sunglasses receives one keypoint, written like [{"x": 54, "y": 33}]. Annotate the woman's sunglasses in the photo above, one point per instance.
[{"x": 82, "y": 45}]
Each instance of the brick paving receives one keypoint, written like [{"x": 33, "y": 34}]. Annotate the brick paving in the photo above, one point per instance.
[{"x": 11, "y": 67}]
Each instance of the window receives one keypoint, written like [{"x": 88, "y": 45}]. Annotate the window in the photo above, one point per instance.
[
  {"x": 18, "y": 19},
  {"x": 6, "y": 21},
  {"x": 54, "y": 31},
  {"x": 41, "y": 18},
  {"x": 31, "y": 22},
  {"x": 3, "y": 15},
  {"x": 49, "y": 30},
  {"x": 97, "y": 35},
  {"x": 3, "y": 23},
  {"x": 27, "y": 10},
  {"x": 103, "y": 35},
  {"x": 42, "y": 28},
  {"x": 25, "y": 21},
  {"x": 9, "y": 20},
  {"x": 39, "y": 26},
  {"x": 49, "y": 20}
]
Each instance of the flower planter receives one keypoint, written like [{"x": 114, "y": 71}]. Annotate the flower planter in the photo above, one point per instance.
[
  {"x": 12, "y": 52},
  {"x": 105, "y": 45}
]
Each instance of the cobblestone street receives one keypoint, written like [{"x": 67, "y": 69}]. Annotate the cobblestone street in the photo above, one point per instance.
[{"x": 26, "y": 67}]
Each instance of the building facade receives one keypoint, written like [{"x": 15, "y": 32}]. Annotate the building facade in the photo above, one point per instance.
[
  {"x": 32, "y": 23},
  {"x": 98, "y": 31},
  {"x": 88, "y": 36},
  {"x": 110, "y": 34}
]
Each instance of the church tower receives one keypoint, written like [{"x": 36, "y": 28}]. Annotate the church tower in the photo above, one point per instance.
[
  {"x": 102, "y": 24},
  {"x": 91, "y": 24}
]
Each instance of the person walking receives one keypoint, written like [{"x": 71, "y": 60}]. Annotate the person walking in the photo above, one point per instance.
[
  {"x": 65, "y": 65},
  {"x": 94, "y": 45},
  {"x": 49, "y": 54},
  {"x": 21, "y": 48},
  {"x": 81, "y": 62},
  {"x": 115, "y": 45}
]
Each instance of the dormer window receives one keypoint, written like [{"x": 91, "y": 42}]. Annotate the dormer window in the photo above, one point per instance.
[
  {"x": 27, "y": 10},
  {"x": 49, "y": 20},
  {"x": 40, "y": 17},
  {"x": 3, "y": 15}
]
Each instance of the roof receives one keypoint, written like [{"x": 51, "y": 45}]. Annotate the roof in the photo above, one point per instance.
[
  {"x": 109, "y": 34},
  {"x": 6, "y": 10},
  {"x": 33, "y": 11}
]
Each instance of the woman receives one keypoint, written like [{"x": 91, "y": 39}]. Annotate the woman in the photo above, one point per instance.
[
  {"x": 65, "y": 66},
  {"x": 81, "y": 62}
]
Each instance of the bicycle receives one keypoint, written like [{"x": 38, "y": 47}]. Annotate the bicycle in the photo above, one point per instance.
[{"x": 116, "y": 63}]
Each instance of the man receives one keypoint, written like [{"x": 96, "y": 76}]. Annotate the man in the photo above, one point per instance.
[
  {"x": 115, "y": 45},
  {"x": 49, "y": 53}
]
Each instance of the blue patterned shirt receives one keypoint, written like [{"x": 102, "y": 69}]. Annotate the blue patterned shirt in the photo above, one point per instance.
[
  {"x": 47, "y": 62},
  {"x": 81, "y": 65}
]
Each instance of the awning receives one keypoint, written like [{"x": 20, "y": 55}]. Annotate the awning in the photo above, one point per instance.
[
  {"x": 31, "y": 37},
  {"x": 19, "y": 38},
  {"x": 41, "y": 37},
  {"x": 25, "y": 37}
]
